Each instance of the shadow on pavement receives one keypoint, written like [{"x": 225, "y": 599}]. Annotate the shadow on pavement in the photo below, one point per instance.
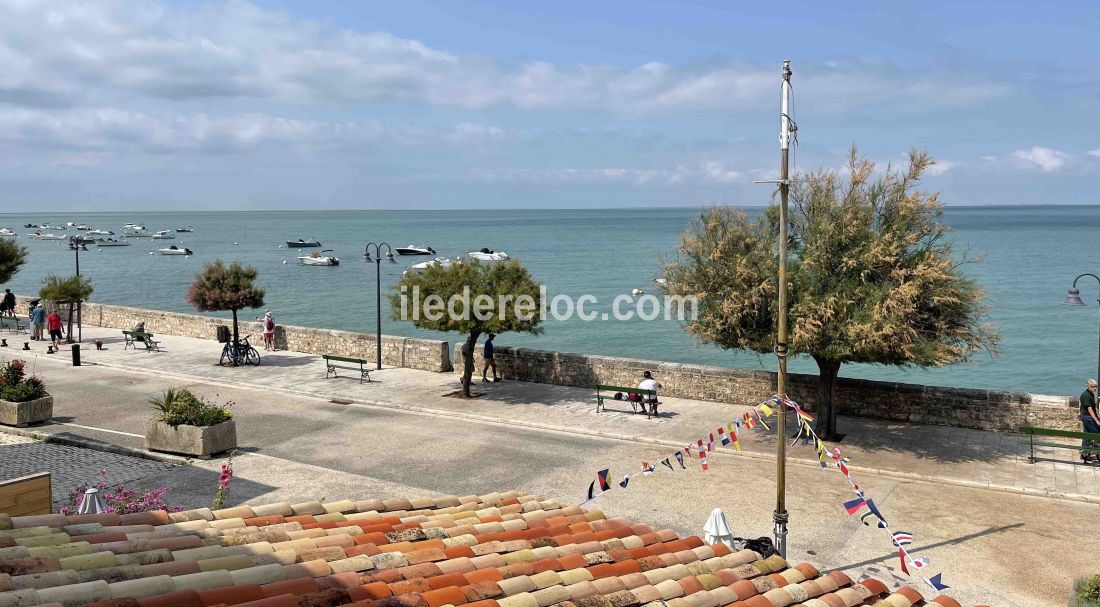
[
  {"x": 951, "y": 542},
  {"x": 194, "y": 486}
]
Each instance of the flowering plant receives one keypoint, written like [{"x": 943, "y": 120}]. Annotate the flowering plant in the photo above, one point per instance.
[
  {"x": 15, "y": 386},
  {"x": 223, "y": 484},
  {"x": 119, "y": 499}
]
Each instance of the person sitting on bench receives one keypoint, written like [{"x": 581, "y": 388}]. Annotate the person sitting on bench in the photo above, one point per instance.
[
  {"x": 648, "y": 383},
  {"x": 1089, "y": 419}
]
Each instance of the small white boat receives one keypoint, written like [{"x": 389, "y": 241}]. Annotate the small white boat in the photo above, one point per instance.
[
  {"x": 135, "y": 230},
  {"x": 81, "y": 239},
  {"x": 488, "y": 255},
  {"x": 174, "y": 250},
  {"x": 48, "y": 236},
  {"x": 111, "y": 242},
  {"x": 164, "y": 235},
  {"x": 83, "y": 227},
  {"x": 47, "y": 226},
  {"x": 319, "y": 259},
  {"x": 185, "y": 229},
  {"x": 415, "y": 250},
  {"x": 421, "y": 267},
  {"x": 97, "y": 232},
  {"x": 303, "y": 244},
  {"x": 8, "y": 233}
]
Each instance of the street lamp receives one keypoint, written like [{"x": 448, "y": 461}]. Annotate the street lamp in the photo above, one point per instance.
[
  {"x": 1073, "y": 298},
  {"x": 378, "y": 287}
]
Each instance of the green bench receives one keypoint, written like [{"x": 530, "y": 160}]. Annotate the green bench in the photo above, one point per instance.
[
  {"x": 649, "y": 397},
  {"x": 332, "y": 363},
  {"x": 1032, "y": 433},
  {"x": 13, "y": 324},
  {"x": 135, "y": 337}
]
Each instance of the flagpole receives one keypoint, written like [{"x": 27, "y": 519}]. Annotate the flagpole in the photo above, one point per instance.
[{"x": 781, "y": 516}]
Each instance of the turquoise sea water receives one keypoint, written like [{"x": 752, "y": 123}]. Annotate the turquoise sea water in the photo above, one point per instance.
[{"x": 1031, "y": 255}]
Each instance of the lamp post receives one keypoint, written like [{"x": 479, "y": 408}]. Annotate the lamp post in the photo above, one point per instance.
[
  {"x": 378, "y": 288},
  {"x": 1073, "y": 298}
]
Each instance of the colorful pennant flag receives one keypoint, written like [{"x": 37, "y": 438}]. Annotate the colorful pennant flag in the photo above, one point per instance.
[
  {"x": 882, "y": 519},
  {"x": 601, "y": 476},
  {"x": 625, "y": 481},
  {"x": 703, "y": 460},
  {"x": 668, "y": 462},
  {"x": 722, "y": 436},
  {"x": 803, "y": 415},
  {"x": 936, "y": 583},
  {"x": 592, "y": 490},
  {"x": 904, "y": 556},
  {"x": 902, "y": 538},
  {"x": 750, "y": 423},
  {"x": 766, "y": 410},
  {"x": 920, "y": 562},
  {"x": 647, "y": 468},
  {"x": 680, "y": 458},
  {"x": 855, "y": 505},
  {"x": 733, "y": 436}
]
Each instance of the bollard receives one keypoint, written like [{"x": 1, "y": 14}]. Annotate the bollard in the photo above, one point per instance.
[{"x": 76, "y": 355}]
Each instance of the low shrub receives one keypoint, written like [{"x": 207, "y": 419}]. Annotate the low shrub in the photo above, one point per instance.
[
  {"x": 179, "y": 406},
  {"x": 119, "y": 499},
  {"x": 15, "y": 386},
  {"x": 1088, "y": 592}
]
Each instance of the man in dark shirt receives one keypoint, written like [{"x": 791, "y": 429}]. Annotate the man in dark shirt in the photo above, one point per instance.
[
  {"x": 1089, "y": 419},
  {"x": 489, "y": 360}
]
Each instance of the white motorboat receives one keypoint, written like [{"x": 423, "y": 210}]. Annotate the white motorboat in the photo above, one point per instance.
[
  {"x": 415, "y": 250},
  {"x": 48, "y": 236},
  {"x": 319, "y": 259},
  {"x": 185, "y": 229},
  {"x": 8, "y": 233},
  {"x": 488, "y": 255},
  {"x": 421, "y": 267},
  {"x": 303, "y": 244},
  {"x": 83, "y": 227},
  {"x": 81, "y": 239},
  {"x": 134, "y": 230},
  {"x": 97, "y": 232},
  {"x": 164, "y": 235},
  {"x": 111, "y": 242},
  {"x": 47, "y": 226},
  {"x": 174, "y": 250}
]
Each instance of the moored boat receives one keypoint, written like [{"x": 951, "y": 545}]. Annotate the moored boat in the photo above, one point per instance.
[
  {"x": 134, "y": 230},
  {"x": 319, "y": 259},
  {"x": 164, "y": 235},
  {"x": 185, "y": 229},
  {"x": 8, "y": 233},
  {"x": 301, "y": 244},
  {"x": 47, "y": 236},
  {"x": 174, "y": 250},
  {"x": 111, "y": 242},
  {"x": 420, "y": 268},
  {"x": 488, "y": 255},
  {"x": 98, "y": 232},
  {"x": 415, "y": 250}
]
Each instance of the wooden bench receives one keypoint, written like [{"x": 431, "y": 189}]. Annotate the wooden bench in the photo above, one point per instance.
[
  {"x": 13, "y": 324},
  {"x": 1041, "y": 432},
  {"x": 649, "y": 397},
  {"x": 331, "y": 364},
  {"x": 134, "y": 337}
]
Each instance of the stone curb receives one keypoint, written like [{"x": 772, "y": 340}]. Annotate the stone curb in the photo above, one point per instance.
[
  {"x": 89, "y": 443},
  {"x": 1028, "y": 491}
]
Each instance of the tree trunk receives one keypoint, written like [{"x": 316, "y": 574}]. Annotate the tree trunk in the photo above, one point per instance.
[
  {"x": 826, "y": 398},
  {"x": 236, "y": 340},
  {"x": 468, "y": 362}
]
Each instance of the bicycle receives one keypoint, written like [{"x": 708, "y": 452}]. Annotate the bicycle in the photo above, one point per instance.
[{"x": 245, "y": 355}]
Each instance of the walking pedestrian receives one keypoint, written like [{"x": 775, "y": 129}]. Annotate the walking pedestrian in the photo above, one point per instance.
[
  {"x": 1090, "y": 421},
  {"x": 269, "y": 330},
  {"x": 7, "y": 305},
  {"x": 53, "y": 323},
  {"x": 38, "y": 321},
  {"x": 490, "y": 361}
]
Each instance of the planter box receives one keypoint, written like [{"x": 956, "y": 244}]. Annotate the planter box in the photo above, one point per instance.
[
  {"x": 198, "y": 441},
  {"x": 30, "y": 412}
]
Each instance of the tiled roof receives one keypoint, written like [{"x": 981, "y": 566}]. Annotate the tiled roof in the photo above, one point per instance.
[{"x": 497, "y": 550}]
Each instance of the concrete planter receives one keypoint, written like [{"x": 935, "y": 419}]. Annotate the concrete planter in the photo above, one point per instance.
[
  {"x": 30, "y": 412},
  {"x": 198, "y": 441}
]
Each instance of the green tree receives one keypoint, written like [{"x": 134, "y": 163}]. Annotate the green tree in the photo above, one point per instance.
[
  {"x": 73, "y": 290},
  {"x": 220, "y": 288},
  {"x": 12, "y": 258},
  {"x": 872, "y": 277},
  {"x": 495, "y": 297}
]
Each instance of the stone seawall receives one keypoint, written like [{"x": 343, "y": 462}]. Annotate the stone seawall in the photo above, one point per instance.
[
  {"x": 913, "y": 403},
  {"x": 409, "y": 352}
]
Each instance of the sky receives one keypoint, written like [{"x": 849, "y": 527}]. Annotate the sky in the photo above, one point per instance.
[{"x": 324, "y": 104}]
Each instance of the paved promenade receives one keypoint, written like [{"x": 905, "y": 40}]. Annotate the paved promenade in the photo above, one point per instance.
[
  {"x": 400, "y": 436},
  {"x": 955, "y": 455}
]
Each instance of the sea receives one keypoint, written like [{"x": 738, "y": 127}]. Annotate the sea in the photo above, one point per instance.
[{"x": 1027, "y": 256}]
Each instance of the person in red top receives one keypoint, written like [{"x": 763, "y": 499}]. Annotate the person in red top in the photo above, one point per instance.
[{"x": 53, "y": 323}]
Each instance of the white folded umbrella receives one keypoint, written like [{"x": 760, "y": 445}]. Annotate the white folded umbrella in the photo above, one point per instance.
[
  {"x": 717, "y": 530},
  {"x": 92, "y": 503}
]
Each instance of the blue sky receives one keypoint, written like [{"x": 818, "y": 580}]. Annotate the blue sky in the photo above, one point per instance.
[{"x": 323, "y": 104}]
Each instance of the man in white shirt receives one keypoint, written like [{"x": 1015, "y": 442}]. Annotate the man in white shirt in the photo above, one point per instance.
[{"x": 648, "y": 383}]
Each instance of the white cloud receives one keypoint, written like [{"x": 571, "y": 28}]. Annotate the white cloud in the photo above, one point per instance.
[
  {"x": 708, "y": 171},
  {"x": 1047, "y": 160},
  {"x": 1095, "y": 152},
  {"x": 941, "y": 167},
  {"x": 89, "y": 52}
]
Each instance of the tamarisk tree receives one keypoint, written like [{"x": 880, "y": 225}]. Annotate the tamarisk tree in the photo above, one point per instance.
[
  {"x": 219, "y": 288},
  {"x": 873, "y": 277}
]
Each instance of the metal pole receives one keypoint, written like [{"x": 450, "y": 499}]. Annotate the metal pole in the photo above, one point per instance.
[
  {"x": 77, "y": 249},
  {"x": 781, "y": 516},
  {"x": 378, "y": 303}
]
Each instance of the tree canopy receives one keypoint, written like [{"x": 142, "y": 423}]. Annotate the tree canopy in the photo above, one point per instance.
[
  {"x": 220, "y": 288},
  {"x": 490, "y": 297},
  {"x": 73, "y": 288},
  {"x": 873, "y": 277},
  {"x": 12, "y": 258}
]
